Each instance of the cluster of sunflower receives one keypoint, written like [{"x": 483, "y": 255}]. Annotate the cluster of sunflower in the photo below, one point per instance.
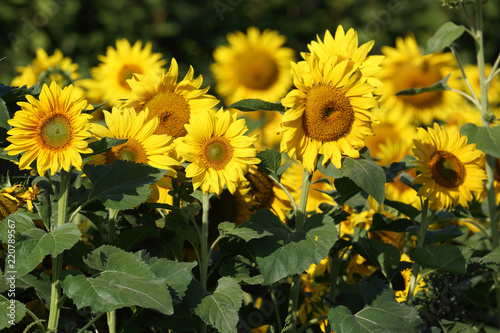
[{"x": 343, "y": 102}]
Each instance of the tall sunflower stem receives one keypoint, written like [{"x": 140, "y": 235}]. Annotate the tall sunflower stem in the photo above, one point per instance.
[
  {"x": 55, "y": 289},
  {"x": 111, "y": 321},
  {"x": 300, "y": 216},
  {"x": 424, "y": 225},
  {"x": 113, "y": 214},
  {"x": 204, "y": 241}
]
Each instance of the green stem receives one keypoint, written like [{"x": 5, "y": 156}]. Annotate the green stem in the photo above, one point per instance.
[
  {"x": 276, "y": 309},
  {"x": 292, "y": 200},
  {"x": 204, "y": 241},
  {"x": 96, "y": 318},
  {"x": 37, "y": 320},
  {"x": 424, "y": 224},
  {"x": 334, "y": 274},
  {"x": 300, "y": 216},
  {"x": 111, "y": 321},
  {"x": 480, "y": 60},
  {"x": 113, "y": 214},
  {"x": 311, "y": 322},
  {"x": 55, "y": 292}
]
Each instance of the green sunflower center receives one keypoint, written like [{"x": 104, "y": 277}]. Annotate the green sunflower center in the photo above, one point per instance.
[
  {"x": 56, "y": 74},
  {"x": 419, "y": 77},
  {"x": 127, "y": 72},
  {"x": 132, "y": 150},
  {"x": 256, "y": 70},
  {"x": 173, "y": 111},
  {"x": 217, "y": 152},
  {"x": 447, "y": 170},
  {"x": 262, "y": 188},
  {"x": 56, "y": 132},
  {"x": 328, "y": 114}
]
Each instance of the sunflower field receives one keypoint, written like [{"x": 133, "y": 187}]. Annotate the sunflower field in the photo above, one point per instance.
[{"x": 250, "y": 166}]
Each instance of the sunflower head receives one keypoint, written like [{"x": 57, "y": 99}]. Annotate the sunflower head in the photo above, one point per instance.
[
  {"x": 218, "y": 151},
  {"x": 255, "y": 65},
  {"x": 14, "y": 197},
  {"x": 449, "y": 167}
]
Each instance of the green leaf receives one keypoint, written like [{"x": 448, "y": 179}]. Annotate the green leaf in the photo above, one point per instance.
[
  {"x": 123, "y": 280},
  {"x": 457, "y": 327},
  {"x": 130, "y": 237},
  {"x": 346, "y": 189},
  {"x": 384, "y": 315},
  {"x": 381, "y": 223},
  {"x": 220, "y": 309},
  {"x": 4, "y": 115},
  {"x": 443, "y": 258},
  {"x": 438, "y": 86},
  {"x": 442, "y": 235},
  {"x": 16, "y": 94},
  {"x": 288, "y": 253},
  {"x": 444, "y": 37},
  {"x": 104, "y": 145},
  {"x": 486, "y": 138},
  {"x": 257, "y": 105},
  {"x": 177, "y": 275},
  {"x": 11, "y": 312},
  {"x": 122, "y": 184},
  {"x": 240, "y": 272},
  {"x": 246, "y": 231},
  {"x": 367, "y": 175},
  {"x": 403, "y": 208},
  {"x": 270, "y": 162},
  {"x": 492, "y": 260}
]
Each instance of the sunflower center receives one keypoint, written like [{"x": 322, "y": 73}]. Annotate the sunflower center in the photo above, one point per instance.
[
  {"x": 262, "y": 188},
  {"x": 126, "y": 73},
  {"x": 7, "y": 207},
  {"x": 256, "y": 70},
  {"x": 56, "y": 74},
  {"x": 447, "y": 170},
  {"x": 173, "y": 111},
  {"x": 217, "y": 152},
  {"x": 328, "y": 114},
  {"x": 56, "y": 132},
  {"x": 132, "y": 150},
  {"x": 419, "y": 77}
]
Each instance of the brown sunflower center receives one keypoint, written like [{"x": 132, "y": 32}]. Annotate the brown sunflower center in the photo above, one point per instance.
[
  {"x": 173, "y": 111},
  {"x": 217, "y": 152},
  {"x": 447, "y": 170},
  {"x": 7, "y": 207},
  {"x": 56, "y": 132},
  {"x": 126, "y": 73},
  {"x": 132, "y": 150},
  {"x": 256, "y": 70},
  {"x": 419, "y": 77},
  {"x": 262, "y": 188},
  {"x": 328, "y": 114}
]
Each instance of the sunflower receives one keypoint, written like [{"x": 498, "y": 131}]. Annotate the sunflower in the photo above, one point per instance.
[
  {"x": 14, "y": 197},
  {"x": 51, "y": 130},
  {"x": 219, "y": 152},
  {"x": 46, "y": 69},
  {"x": 449, "y": 167},
  {"x": 328, "y": 113},
  {"x": 255, "y": 65},
  {"x": 406, "y": 67},
  {"x": 160, "y": 193},
  {"x": 109, "y": 78},
  {"x": 142, "y": 145},
  {"x": 173, "y": 103},
  {"x": 345, "y": 46},
  {"x": 230, "y": 207}
]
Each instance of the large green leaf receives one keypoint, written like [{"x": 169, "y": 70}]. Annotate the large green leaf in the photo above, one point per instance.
[
  {"x": 33, "y": 244},
  {"x": 444, "y": 37},
  {"x": 367, "y": 174},
  {"x": 11, "y": 312},
  {"x": 492, "y": 260},
  {"x": 383, "y": 315},
  {"x": 220, "y": 309},
  {"x": 443, "y": 258},
  {"x": 177, "y": 275},
  {"x": 122, "y": 184},
  {"x": 486, "y": 138},
  {"x": 122, "y": 280},
  {"x": 270, "y": 162},
  {"x": 288, "y": 253},
  {"x": 4, "y": 115},
  {"x": 246, "y": 231},
  {"x": 438, "y": 86},
  {"x": 252, "y": 104}
]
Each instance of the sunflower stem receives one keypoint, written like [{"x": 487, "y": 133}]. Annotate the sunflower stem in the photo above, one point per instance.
[
  {"x": 55, "y": 290},
  {"x": 334, "y": 274},
  {"x": 424, "y": 224},
  {"x": 276, "y": 309},
  {"x": 111, "y": 321},
  {"x": 204, "y": 242},
  {"x": 300, "y": 216},
  {"x": 113, "y": 214}
]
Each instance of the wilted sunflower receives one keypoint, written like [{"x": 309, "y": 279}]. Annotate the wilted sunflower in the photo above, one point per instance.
[
  {"x": 14, "y": 197},
  {"x": 109, "y": 78},
  {"x": 218, "y": 151},
  {"x": 449, "y": 167},
  {"x": 328, "y": 113},
  {"x": 255, "y": 65},
  {"x": 174, "y": 103},
  {"x": 406, "y": 67},
  {"x": 46, "y": 69},
  {"x": 142, "y": 145},
  {"x": 51, "y": 130}
]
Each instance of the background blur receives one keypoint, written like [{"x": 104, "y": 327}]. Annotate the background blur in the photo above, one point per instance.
[{"x": 191, "y": 30}]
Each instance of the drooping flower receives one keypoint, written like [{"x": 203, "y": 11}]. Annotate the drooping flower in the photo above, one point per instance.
[
  {"x": 255, "y": 65},
  {"x": 328, "y": 113},
  {"x": 218, "y": 151},
  {"x": 174, "y": 103},
  {"x": 51, "y": 130},
  {"x": 449, "y": 167},
  {"x": 142, "y": 145},
  {"x": 109, "y": 78},
  {"x": 14, "y": 197}
]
